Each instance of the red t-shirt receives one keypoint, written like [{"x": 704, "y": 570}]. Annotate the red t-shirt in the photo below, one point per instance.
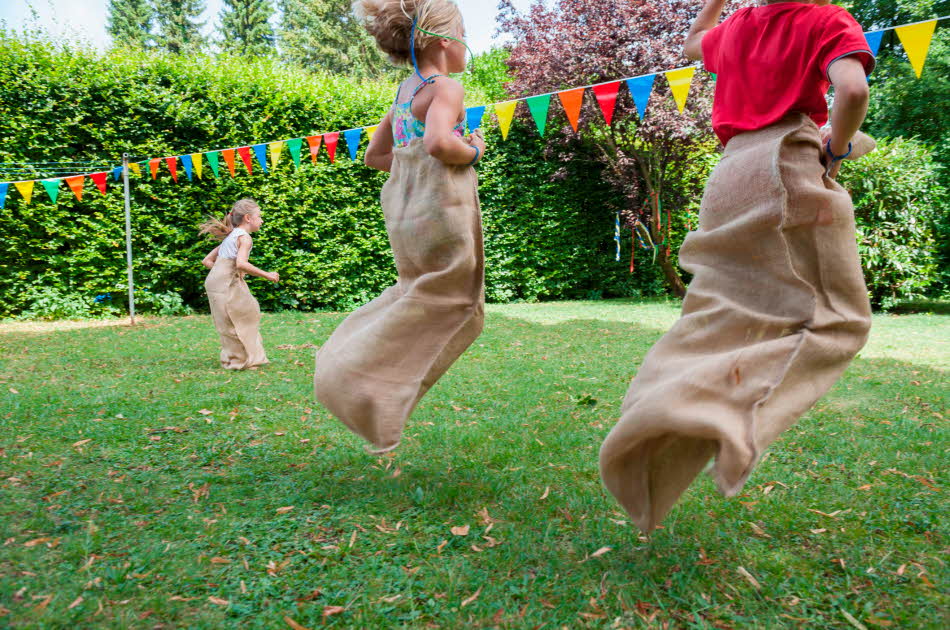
[{"x": 773, "y": 60}]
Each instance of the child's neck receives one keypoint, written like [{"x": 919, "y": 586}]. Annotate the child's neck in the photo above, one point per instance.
[{"x": 433, "y": 65}]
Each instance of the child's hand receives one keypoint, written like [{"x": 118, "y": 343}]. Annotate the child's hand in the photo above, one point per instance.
[
  {"x": 477, "y": 140},
  {"x": 273, "y": 276}
]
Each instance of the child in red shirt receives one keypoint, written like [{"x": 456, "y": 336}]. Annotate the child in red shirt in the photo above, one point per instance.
[{"x": 777, "y": 307}]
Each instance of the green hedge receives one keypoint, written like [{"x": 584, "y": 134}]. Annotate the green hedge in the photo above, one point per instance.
[{"x": 323, "y": 227}]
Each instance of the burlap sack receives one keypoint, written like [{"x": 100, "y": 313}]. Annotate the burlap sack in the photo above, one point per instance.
[{"x": 236, "y": 316}]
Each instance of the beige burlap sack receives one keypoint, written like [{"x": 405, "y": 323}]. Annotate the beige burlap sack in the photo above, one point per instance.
[
  {"x": 775, "y": 312},
  {"x": 236, "y": 316},
  {"x": 385, "y": 356}
]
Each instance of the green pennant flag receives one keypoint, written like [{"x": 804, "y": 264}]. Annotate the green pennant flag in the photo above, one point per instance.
[
  {"x": 213, "y": 161},
  {"x": 539, "y": 106},
  {"x": 52, "y": 188},
  {"x": 294, "y": 147}
]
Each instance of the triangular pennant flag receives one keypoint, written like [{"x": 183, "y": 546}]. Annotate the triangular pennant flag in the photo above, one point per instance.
[
  {"x": 229, "y": 159},
  {"x": 505, "y": 113},
  {"x": 173, "y": 167},
  {"x": 135, "y": 168},
  {"x": 680, "y": 82},
  {"x": 572, "y": 100},
  {"x": 245, "y": 153},
  {"x": 916, "y": 40},
  {"x": 294, "y": 147},
  {"x": 473, "y": 117},
  {"x": 212, "y": 157},
  {"x": 153, "y": 166},
  {"x": 331, "y": 139},
  {"x": 52, "y": 188},
  {"x": 874, "y": 41},
  {"x": 314, "y": 142},
  {"x": 371, "y": 131},
  {"x": 539, "y": 105},
  {"x": 186, "y": 162},
  {"x": 99, "y": 179},
  {"x": 26, "y": 189},
  {"x": 352, "y": 137},
  {"x": 607, "y": 98},
  {"x": 196, "y": 164},
  {"x": 117, "y": 173},
  {"x": 275, "y": 149},
  {"x": 3, "y": 194},
  {"x": 640, "y": 89},
  {"x": 75, "y": 184},
  {"x": 260, "y": 150}
]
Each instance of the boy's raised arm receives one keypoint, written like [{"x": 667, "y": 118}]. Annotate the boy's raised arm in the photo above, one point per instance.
[{"x": 707, "y": 20}]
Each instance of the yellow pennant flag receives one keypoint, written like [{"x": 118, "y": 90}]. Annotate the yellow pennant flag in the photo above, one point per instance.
[
  {"x": 505, "y": 112},
  {"x": 135, "y": 168},
  {"x": 26, "y": 189},
  {"x": 370, "y": 131},
  {"x": 275, "y": 149},
  {"x": 196, "y": 163},
  {"x": 916, "y": 40},
  {"x": 680, "y": 81}
]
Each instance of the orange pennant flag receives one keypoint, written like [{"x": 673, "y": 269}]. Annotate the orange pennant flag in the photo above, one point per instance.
[
  {"x": 572, "y": 100},
  {"x": 173, "y": 167},
  {"x": 75, "y": 184},
  {"x": 153, "y": 166},
  {"x": 229, "y": 159},
  {"x": 314, "y": 142}
]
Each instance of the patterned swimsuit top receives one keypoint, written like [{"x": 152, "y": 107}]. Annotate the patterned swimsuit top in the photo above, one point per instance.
[{"x": 407, "y": 127}]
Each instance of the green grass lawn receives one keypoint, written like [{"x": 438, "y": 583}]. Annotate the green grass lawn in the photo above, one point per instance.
[{"x": 143, "y": 487}]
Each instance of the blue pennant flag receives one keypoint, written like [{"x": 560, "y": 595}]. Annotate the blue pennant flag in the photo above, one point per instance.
[
  {"x": 874, "y": 41},
  {"x": 186, "y": 162},
  {"x": 3, "y": 194},
  {"x": 352, "y": 137},
  {"x": 473, "y": 117},
  {"x": 260, "y": 150},
  {"x": 117, "y": 173},
  {"x": 640, "y": 89}
]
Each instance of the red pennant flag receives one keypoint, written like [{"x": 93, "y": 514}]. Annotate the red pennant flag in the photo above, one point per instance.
[
  {"x": 153, "y": 166},
  {"x": 314, "y": 142},
  {"x": 75, "y": 184},
  {"x": 572, "y": 100},
  {"x": 607, "y": 98},
  {"x": 100, "y": 180},
  {"x": 229, "y": 159},
  {"x": 245, "y": 153},
  {"x": 173, "y": 167},
  {"x": 330, "y": 139}
]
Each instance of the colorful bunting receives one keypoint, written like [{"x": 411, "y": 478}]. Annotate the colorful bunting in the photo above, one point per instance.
[
  {"x": 186, "y": 162},
  {"x": 75, "y": 184},
  {"x": 571, "y": 101},
  {"x": 314, "y": 142},
  {"x": 260, "y": 150},
  {"x": 606, "y": 94},
  {"x": 52, "y": 188},
  {"x": 640, "y": 89},
  {"x": 617, "y": 234},
  {"x": 505, "y": 113},
  {"x": 294, "y": 147},
  {"x": 473, "y": 117},
  {"x": 196, "y": 164},
  {"x": 228, "y": 155},
  {"x": 173, "y": 167},
  {"x": 99, "y": 179},
  {"x": 352, "y": 137},
  {"x": 538, "y": 106},
  {"x": 874, "y": 41},
  {"x": 275, "y": 149},
  {"x": 3, "y": 194},
  {"x": 135, "y": 168},
  {"x": 331, "y": 139},
  {"x": 916, "y": 40},
  {"x": 245, "y": 153},
  {"x": 213, "y": 161},
  {"x": 680, "y": 82},
  {"x": 371, "y": 131},
  {"x": 153, "y": 166},
  {"x": 117, "y": 173},
  {"x": 26, "y": 189}
]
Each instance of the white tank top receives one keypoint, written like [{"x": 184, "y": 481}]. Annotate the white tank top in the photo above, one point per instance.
[{"x": 229, "y": 246}]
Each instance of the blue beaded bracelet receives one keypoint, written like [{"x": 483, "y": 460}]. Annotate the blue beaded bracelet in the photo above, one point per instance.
[
  {"x": 478, "y": 153},
  {"x": 837, "y": 158}
]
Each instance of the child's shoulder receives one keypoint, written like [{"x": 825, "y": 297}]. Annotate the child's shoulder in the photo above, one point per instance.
[{"x": 447, "y": 84}]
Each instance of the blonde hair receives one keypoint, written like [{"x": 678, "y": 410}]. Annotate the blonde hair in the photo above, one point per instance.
[
  {"x": 390, "y": 23},
  {"x": 220, "y": 228}
]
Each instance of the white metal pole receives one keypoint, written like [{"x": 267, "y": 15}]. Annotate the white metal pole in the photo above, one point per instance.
[{"x": 128, "y": 236}]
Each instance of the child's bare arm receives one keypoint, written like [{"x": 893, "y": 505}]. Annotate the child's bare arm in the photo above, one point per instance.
[
  {"x": 851, "y": 104},
  {"x": 707, "y": 20},
  {"x": 441, "y": 118},
  {"x": 211, "y": 257},
  {"x": 379, "y": 153},
  {"x": 241, "y": 263}
]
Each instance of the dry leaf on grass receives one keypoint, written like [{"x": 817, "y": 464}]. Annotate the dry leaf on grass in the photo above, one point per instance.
[
  {"x": 284, "y": 510},
  {"x": 81, "y": 442},
  {"x": 460, "y": 531},
  {"x": 43, "y": 604},
  {"x": 547, "y": 490},
  {"x": 748, "y": 576},
  {"x": 220, "y": 560},
  {"x": 75, "y": 603},
  {"x": 471, "y": 599},
  {"x": 205, "y": 412},
  {"x": 332, "y": 610},
  {"x": 219, "y": 601},
  {"x": 854, "y": 622},
  {"x": 37, "y": 541},
  {"x": 293, "y": 624}
]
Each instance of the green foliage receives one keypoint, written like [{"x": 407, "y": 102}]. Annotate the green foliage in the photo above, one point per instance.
[
  {"x": 179, "y": 30},
  {"x": 245, "y": 27},
  {"x": 898, "y": 200},
  {"x": 489, "y": 73},
  {"x": 323, "y": 231},
  {"x": 130, "y": 22}
]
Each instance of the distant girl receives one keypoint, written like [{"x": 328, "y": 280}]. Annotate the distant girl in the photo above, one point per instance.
[
  {"x": 234, "y": 310},
  {"x": 384, "y": 357}
]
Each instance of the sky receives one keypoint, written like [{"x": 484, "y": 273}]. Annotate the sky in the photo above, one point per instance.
[{"x": 85, "y": 20}]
